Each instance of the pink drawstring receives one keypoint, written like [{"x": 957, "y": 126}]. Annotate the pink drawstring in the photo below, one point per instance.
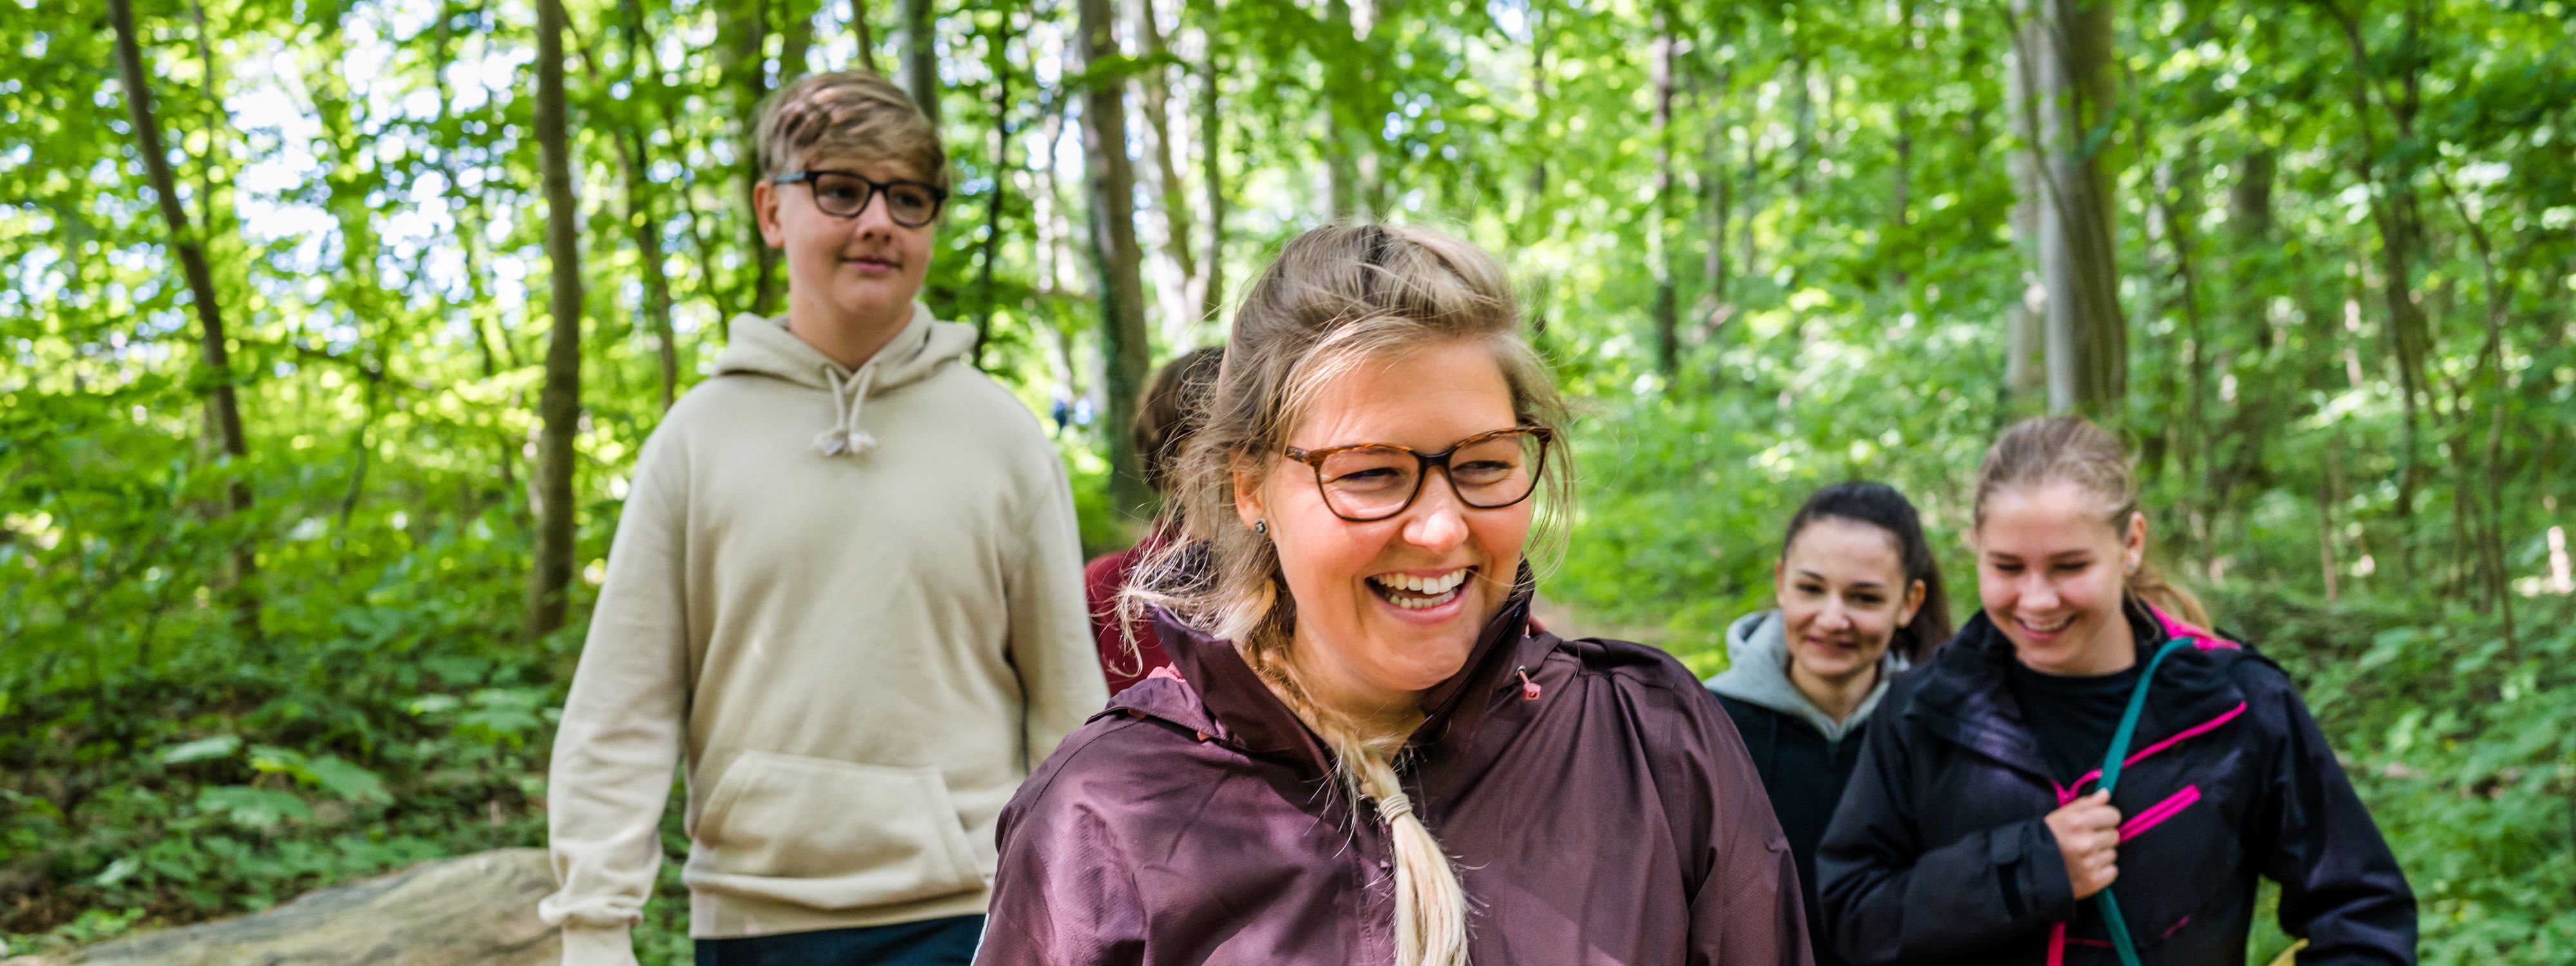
[{"x": 1529, "y": 688}]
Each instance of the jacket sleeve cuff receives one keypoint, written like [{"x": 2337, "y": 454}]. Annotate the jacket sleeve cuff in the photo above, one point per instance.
[
  {"x": 2043, "y": 878},
  {"x": 597, "y": 946}
]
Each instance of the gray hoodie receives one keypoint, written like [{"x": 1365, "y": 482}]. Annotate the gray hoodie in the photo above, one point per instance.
[{"x": 1757, "y": 673}]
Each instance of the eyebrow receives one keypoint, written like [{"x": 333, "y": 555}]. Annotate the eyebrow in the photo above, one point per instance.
[{"x": 1856, "y": 583}]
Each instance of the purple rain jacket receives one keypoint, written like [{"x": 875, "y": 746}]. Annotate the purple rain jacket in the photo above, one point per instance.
[{"x": 1594, "y": 798}]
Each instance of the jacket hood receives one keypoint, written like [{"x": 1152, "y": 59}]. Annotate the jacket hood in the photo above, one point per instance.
[
  {"x": 1963, "y": 696},
  {"x": 1757, "y": 673},
  {"x": 763, "y": 347}
]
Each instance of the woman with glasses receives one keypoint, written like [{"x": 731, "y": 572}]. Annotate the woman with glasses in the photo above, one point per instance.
[{"x": 1362, "y": 754}]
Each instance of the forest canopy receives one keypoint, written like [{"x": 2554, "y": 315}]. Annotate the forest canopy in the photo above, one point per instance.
[{"x": 332, "y": 329}]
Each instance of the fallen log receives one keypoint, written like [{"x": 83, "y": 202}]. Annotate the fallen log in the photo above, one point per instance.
[{"x": 474, "y": 910}]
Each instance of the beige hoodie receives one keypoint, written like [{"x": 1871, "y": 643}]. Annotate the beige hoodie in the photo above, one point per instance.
[{"x": 855, "y": 599}]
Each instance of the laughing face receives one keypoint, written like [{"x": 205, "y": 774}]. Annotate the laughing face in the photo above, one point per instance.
[
  {"x": 1389, "y": 608},
  {"x": 1843, "y": 594},
  {"x": 862, "y": 270},
  {"x": 2051, "y": 572}
]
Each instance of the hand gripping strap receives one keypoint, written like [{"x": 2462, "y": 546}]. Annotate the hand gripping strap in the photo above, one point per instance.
[{"x": 2111, "y": 763}]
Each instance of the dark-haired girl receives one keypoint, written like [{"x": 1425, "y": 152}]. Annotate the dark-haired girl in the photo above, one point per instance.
[
  {"x": 2086, "y": 775},
  {"x": 1860, "y": 599}
]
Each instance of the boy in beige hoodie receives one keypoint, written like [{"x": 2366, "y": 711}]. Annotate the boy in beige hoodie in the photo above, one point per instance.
[{"x": 845, "y": 592}]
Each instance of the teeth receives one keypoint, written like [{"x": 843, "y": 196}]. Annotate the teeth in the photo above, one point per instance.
[{"x": 1433, "y": 591}]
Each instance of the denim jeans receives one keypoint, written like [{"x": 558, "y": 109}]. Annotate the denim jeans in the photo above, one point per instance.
[{"x": 930, "y": 942}]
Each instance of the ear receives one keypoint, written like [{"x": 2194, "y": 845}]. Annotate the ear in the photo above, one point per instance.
[
  {"x": 764, "y": 208},
  {"x": 1247, "y": 494},
  {"x": 1913, "y": 602},
  {"x": 1779, "y": 580},
  {"x": 2133, "y": 542}
]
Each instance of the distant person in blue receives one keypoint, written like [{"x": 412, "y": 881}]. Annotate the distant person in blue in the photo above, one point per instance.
[
  {"x": 1859, "y": 599},
  {"x": 2086, "y": 774}
]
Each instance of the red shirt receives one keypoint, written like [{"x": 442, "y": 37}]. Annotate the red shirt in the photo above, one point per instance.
[{"x": 1102, "y": 578}]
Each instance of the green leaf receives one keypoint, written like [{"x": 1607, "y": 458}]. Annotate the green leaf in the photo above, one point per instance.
[
  {"x": 251, "y": 807},
  {"x": 219, "y": 746}
]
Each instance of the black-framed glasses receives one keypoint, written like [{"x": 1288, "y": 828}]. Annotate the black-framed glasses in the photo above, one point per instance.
[
  {"x": 1373, "y": 481},
  {"x": 844, "y": 194}
]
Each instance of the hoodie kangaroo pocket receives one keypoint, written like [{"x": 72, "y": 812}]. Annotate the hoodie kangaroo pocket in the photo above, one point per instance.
[{"x": 831, "y": 834}]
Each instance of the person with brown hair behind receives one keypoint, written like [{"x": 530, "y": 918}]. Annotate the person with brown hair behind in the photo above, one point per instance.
[
  {"x": 1128, "y": 648},
  {"x": 843, "y": 593},
  {"x": 2086, "y": 707},
  {"x": 1859, "y": 599},
  {"x": 1362, "y": 754}
]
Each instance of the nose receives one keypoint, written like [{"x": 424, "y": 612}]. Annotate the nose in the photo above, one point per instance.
[
  {"x": 1833, "y": 617},
  {"x": 876, "y": 219},
  {"x": 1437, "y": 522},
  {"x": 2036, "y": 593}
]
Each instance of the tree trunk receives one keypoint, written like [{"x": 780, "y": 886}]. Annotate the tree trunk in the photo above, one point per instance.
[
  {"x": 1668, "y": 348},
  {"x": 996, "y": 61},
  {"x": 1212, "y": 167},
  {"x": 1113, "y": 238},
  {"x": 2069, "y": 51},
  {"x": 223, "y": 407},
  {"x": 1342, "y": 144},
  {"x": 2400, "y": 224},
  {"x": 632, "y": 162},
  {"x": 2025, "y": 341},
  {"x": 796, "y": 41},
  {"x": 559, "y": 404},
  {"x": 741, "y": 36},
  {"x": 867, "y": 37},
  {"x": 1717, "y": 190},
  {"x": 1180, "y": 265},
  {"x": 921, "y": 55}
]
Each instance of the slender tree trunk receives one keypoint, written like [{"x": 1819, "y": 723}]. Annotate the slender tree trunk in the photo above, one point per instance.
[
  {"x": 741, "y": 35},
  {"x": 1342, "y": 144},
  {"x": 2400, "y": 225},
  {"x": 1901, "y": 187},
  {"x": 867, "y": 37},
  {"x": 2496, "y": 581},
  {"x": 223, "y": 407},
  {"x": 997, "y": 60},
  {"x": 796, "y": 40},
  {"x": 1113, "y": 240},
  {"x": 1717, "y": 188},
  {"x": 1155, "y": 85},
  {"x": 2069, "y": 54},
  {"x": 2025, "y": 342},
  {"x": 1212, "y": 165},
  {"x": 921, "y": 55},
  {"x": 1668, "y": 348},
  {"x": 559, "y": 404}
]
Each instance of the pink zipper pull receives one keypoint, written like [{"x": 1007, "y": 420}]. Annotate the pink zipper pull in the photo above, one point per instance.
[{"x": 1529, "y": 688}]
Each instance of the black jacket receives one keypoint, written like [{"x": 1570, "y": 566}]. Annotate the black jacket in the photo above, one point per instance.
[
  {"x": 1804, "y": 775},
  {"x": 1939, "y": 852}
]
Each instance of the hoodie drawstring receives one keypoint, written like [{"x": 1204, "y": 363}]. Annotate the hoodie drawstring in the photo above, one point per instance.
[{"x": 845, "y": 437}]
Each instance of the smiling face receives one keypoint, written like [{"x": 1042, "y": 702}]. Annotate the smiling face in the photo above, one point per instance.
[
  {"x": 1389, "y": 608},
  {"x": 1842, "y": 593},
  {"x": 859, "y": 272},
  {"x": 2051, "y": 572}
]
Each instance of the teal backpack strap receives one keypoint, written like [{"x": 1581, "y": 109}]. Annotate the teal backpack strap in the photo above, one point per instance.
[{"x": 2111, "y": 764}]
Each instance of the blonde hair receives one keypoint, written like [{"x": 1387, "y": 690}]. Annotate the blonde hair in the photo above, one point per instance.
[
  {"x": 1335, "y": 298},
  {"x": 2070, "y": 449},
  {"x": 848, "y": 112}
]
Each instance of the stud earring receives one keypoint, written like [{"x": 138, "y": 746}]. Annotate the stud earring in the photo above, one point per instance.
[{"x": 1261, "y": 527}]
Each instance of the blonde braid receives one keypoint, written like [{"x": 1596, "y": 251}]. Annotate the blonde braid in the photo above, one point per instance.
[{"x": 1430, "y": 903}]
